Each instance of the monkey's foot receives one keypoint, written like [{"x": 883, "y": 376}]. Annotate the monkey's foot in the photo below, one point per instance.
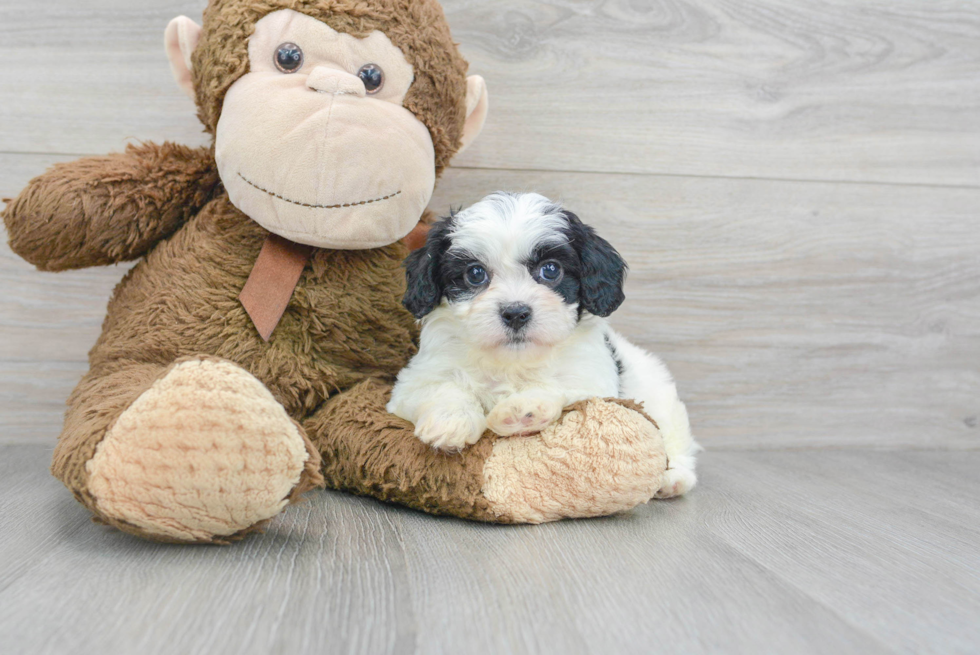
[
  {"x": 204, "y": 455},
  {"x": 602, "y": 457}
]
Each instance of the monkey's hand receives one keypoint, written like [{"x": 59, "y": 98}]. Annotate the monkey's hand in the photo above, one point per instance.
[
  {"x": 103, "y": 210},
  {"x": 601, "y": 457}
]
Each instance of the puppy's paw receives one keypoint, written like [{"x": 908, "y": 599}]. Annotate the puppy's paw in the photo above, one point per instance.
[
  {"x": 523, "y": 414},
  {"x": 451, "y": 428},
  {"x": 676, "y": 482}
]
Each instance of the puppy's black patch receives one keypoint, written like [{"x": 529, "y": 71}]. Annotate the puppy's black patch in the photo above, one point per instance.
[
  {"x": 603, "y": 270},
  {"x": 433, "y": 272},
  {"x": 618, "y": 361},
  {"x": 423, "y": 270},
  {"x": 567, "y": 257},
  {"x": 452, "y": 276}
]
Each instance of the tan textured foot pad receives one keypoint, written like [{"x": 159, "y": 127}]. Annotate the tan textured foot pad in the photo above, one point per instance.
[
  {"x": 602, "y": 458},
  {"x": 204, "y": 453}
]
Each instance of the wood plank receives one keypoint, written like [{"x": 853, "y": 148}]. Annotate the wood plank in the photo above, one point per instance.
[
  {"x": 792, "y": 314},
  {"x": 869, "y": 91},
  {"x": 85, "y": 77},
  {"x": 781, "y": 89},
  {"x": 774, "y": 552},
  {"x": 825, "y": 546},
  {"x": 32, "y": 512},
  {"x": 650, "y": 582},
  {"x": 32, "y": 398}
]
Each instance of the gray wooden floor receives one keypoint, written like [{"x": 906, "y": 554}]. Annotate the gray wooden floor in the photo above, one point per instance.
[
  {"x": 796, "y": 186},
  {"x": 779, "y": 552}
]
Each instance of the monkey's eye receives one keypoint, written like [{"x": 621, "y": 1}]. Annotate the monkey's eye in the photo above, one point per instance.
[
  {"x": 288, "y": 58},
  {"x": 373, "y": 77},
  {"x": 476, "y": 276},
  {"x": 550, "y": 272}
]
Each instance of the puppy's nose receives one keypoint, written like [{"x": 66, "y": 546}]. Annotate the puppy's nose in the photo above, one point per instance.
[{"x": 516, "y": 315}]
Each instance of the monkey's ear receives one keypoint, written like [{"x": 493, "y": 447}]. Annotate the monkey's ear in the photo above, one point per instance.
[
  {"x": 180, "y": 39},
  {"x": 477, "y": 106}
]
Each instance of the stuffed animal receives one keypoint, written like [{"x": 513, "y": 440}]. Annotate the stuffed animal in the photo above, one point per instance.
[{"x": 248, "y": 356}]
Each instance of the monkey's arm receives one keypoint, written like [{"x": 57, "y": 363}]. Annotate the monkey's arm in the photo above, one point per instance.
[
  {"x": 602, "y": 457},
  {"x": 103, "y": 210}
]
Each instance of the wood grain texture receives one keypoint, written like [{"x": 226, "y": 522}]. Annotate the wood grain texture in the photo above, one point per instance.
[
  {"x": 792, "y": 314},
  {"x": 775, "y": 552},
  {"x": 830, "y": 90},
  {"x": 85, "y": 77}
]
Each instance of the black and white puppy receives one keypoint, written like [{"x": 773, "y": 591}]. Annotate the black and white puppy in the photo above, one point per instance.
[{"x": 512, "y": 294}]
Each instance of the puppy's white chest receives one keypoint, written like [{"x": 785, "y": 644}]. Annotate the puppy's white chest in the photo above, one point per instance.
[{"x": 574, "y": 370}]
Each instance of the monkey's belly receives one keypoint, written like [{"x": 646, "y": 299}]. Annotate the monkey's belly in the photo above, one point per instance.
[{"x": 344, "y": 321}]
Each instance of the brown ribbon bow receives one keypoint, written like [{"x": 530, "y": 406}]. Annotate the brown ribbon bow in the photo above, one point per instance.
[{"x": 276, "y": 273}]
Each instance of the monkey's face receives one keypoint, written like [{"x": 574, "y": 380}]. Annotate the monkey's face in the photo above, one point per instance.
[{"x": 313, "y": 143}]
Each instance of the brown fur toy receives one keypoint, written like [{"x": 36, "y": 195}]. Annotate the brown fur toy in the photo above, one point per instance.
[{"x": 205, "y": 413}]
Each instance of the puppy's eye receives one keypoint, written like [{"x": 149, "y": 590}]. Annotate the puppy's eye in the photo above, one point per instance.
[
  {"x": 550, "y": 272},
  {"x": 288, "y": 58},
  {"x": 476, "y": 276},
  {"x": 373, "y": 78}
]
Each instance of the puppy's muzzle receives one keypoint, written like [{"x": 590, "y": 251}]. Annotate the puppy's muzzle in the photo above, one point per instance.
[{"x": 515, "y": 316}]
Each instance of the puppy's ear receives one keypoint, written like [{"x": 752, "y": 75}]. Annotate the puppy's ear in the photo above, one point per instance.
[
  {"x": 603, "y": 270},
  {"x": 422, "y": 272}
]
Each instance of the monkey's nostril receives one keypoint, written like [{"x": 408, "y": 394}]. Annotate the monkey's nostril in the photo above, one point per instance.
[{"x": 516, "y": 315}]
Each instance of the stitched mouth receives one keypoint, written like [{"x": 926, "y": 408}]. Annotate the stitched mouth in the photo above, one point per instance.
[{"x": 312, "y": 206}]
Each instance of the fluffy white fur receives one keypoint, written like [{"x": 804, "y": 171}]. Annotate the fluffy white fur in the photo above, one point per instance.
[{"x": 470, "y": 373}]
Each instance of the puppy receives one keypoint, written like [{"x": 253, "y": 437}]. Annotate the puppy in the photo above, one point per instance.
[{"x": 512, "y": 294}]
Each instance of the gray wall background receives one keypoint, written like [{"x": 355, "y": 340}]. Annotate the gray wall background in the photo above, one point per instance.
[{"x": 796, "y": 185}]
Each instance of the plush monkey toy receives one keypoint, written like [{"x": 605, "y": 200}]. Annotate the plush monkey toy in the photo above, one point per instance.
[{"x": 248, "y": 355}]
